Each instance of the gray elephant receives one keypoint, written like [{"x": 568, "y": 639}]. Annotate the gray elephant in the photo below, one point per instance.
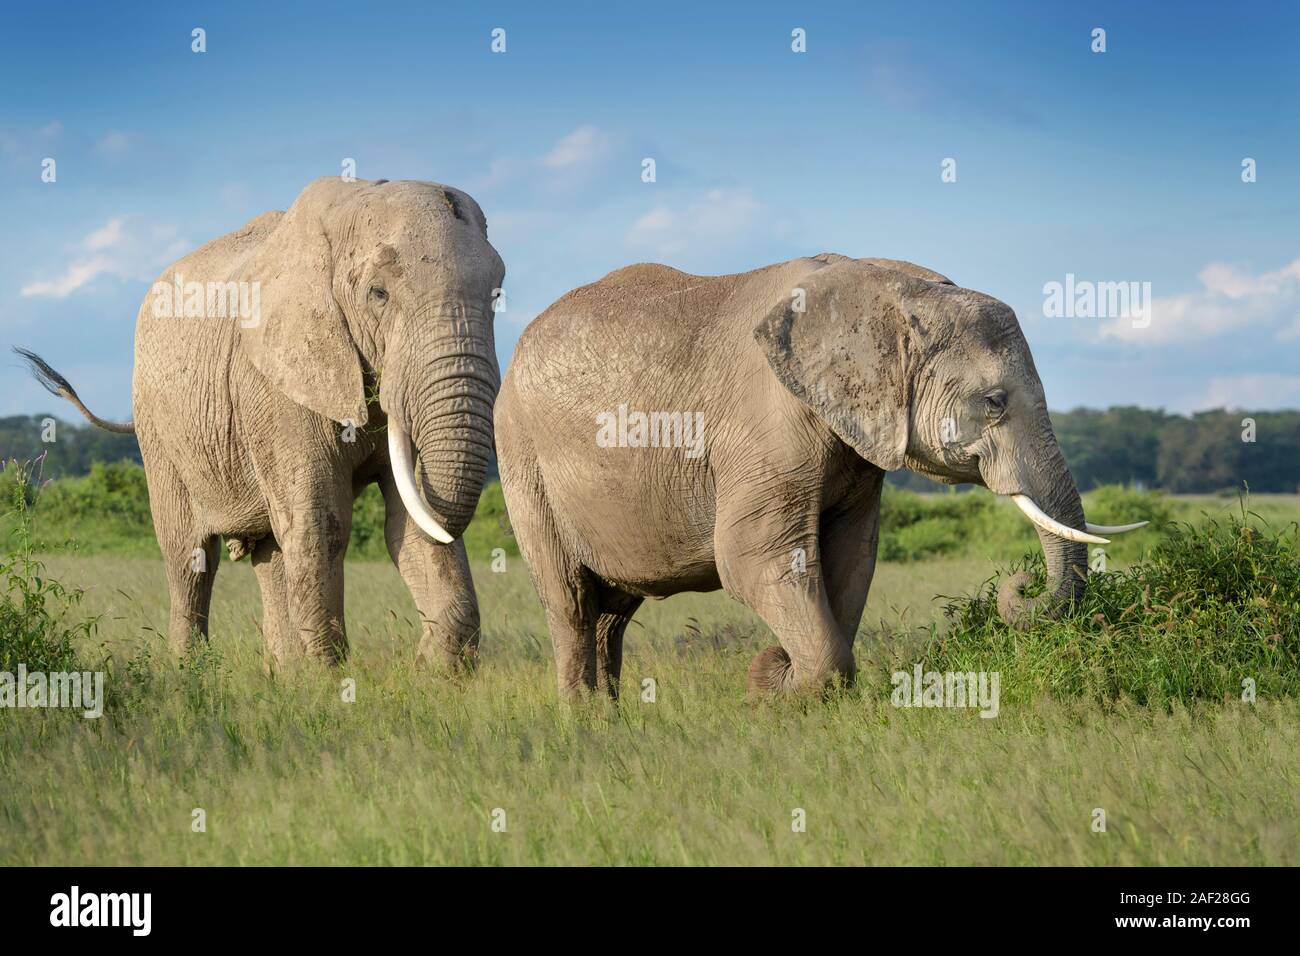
[
  {"x": 661, "y": 432},
  {"x": 268, "y": 364}
]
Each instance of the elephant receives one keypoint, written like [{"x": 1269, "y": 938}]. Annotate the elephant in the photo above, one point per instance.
[
  {"x": 660, "y": 432},
  {"x": 262, "y": 389}
]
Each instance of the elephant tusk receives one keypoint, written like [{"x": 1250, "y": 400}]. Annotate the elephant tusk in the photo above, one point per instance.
[
  {"x": 1114, "y": 528},
  {"x": 399, "y": 456},
  {"x": 1040, "y": 518}
]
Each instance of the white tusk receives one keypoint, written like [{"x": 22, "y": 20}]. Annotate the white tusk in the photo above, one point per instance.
[
  {"x": 1040, "y": 518},
  {"x": 1114, "y": 528},
  {"x": 399, "y": 456}
]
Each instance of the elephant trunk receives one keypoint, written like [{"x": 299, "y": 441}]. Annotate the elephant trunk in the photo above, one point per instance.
[
  {"x": 446, "y": 400},
  {"x": 1058, "y": 503}
]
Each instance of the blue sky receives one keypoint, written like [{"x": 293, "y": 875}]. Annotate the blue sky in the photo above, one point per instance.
[{"x": 1122, "y": 166}]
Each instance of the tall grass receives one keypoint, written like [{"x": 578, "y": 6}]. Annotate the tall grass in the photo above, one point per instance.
[{"x": 1120, "y": 707}]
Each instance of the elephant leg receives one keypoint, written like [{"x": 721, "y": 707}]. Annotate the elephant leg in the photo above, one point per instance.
[
  {"x": 314, "y": 538},
  {"x": 191, "y": 571},
  {"x": 849, "y": 538},
  {"x": 785, "y": 588},
  {"x": 189, "y": 557},
  {"x": 572, "y": 623},
  {"x": 268, "y": 565},
  {"x": 616, "y": 609},
  {"x": 439, "y": 580},
  {"x": 564, "y": 587}
]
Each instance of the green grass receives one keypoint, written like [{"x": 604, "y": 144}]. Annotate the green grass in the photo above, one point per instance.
[{"x": 410, "y": 773}]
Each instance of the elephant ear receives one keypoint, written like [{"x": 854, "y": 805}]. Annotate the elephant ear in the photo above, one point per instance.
[
  {"x": 842, "y": 342},
  {"x": 300, "y": 339}
]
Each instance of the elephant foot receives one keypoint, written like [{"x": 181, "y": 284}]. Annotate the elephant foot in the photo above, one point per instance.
[
  {"x": 770, "y": 672},
  {"x": 328, "y": 647},
  {"x": 449, "y": 640},
  {"x": 453, "y": 659}
]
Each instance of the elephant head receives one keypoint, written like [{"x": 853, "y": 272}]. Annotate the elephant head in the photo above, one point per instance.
[
  {"x": 389, "y": 283},
  {"x": 912, "y": 371}
]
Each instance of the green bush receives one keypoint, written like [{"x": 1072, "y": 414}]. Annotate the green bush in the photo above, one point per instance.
[
  {"x": 922, "y": 539},
  {"x": 917, "y": 526},
  {"x": 1211, "y": 612},
  {"x": 116, "y": 490},
  {"x": 38, "y": 620},
  {"x": 367, "y": 542},
  {"x": 490, "y": 528},
  {"x": 108, "y": 511}
]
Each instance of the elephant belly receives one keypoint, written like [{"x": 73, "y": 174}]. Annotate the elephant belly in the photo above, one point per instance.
[{"x": 647, "y": 534}]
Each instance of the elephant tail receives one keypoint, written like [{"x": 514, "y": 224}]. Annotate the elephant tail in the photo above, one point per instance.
[{"x": 56, "y": 384}]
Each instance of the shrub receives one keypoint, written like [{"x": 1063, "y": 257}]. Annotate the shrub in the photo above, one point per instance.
[
  {"x": 925, "y": 538},
  {"x": 490, "y": 528},
  {"x": 38, "y": 623},
  {"x": 916, "y": 526},
  {"x": 368, "y": 526},
  {"x": 111, "y": 490},
  {"x": 1209, "y": 612}
]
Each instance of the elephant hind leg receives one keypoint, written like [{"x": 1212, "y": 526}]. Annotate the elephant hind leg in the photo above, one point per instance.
[
  {"x": 190, "y": 557},
  {"x": 616, "y": 609},
  {"x": 566, "y": 589},
  {"x": 191, "y": 564},
  {"x": 281, "y": 639}
]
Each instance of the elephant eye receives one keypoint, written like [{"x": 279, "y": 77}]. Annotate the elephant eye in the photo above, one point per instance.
[
  {"x": 378, "y": 294},
  {"x": 995, "y": 404}
]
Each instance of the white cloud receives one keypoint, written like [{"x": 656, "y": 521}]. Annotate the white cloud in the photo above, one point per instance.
[
  {"x": 573, "y": 161},
  {"x": 77, "y": 274},
  {"x": 1227, "y": 280},
  {"x": 1261, "y": 390},
  {"x": 111, "y": 250},
  {"x": 1229, "y": 300},
  {"x": 106, "y": 236},
  {"x": 586, "y": 146},
  {"x": 719, "y": 218}
]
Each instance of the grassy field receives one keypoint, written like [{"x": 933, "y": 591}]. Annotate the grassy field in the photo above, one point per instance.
[{"x": 417, "y": 769}]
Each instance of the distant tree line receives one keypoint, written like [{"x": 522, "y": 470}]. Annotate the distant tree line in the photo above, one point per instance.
[
  {"x": 74, "y": 447},
  {"x": 1205, "y": 452}
]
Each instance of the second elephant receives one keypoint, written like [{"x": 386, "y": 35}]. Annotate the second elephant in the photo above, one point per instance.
[{"x": 661, "y": 432}]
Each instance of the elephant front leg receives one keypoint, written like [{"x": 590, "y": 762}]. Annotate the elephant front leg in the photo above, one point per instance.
[
  {"x": 785, "y": 587},
  {"x": 849, "y": 538},
  {"x": 439, "y": 580},
  {"x": 314, "y": 540}
]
